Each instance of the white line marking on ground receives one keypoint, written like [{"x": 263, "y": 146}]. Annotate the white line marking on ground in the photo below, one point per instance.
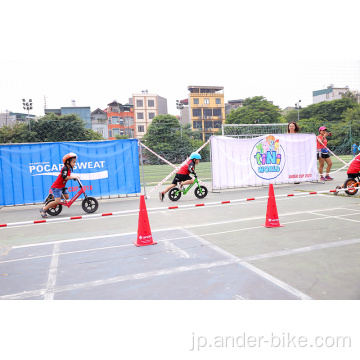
[
  {"x": 301, "y": 250},
  {"x": 117, "y": 279},
  {"x": 49, "y": 295},
  {"x": 261, "y": 273},
  {"x": 171, "y": 247}
]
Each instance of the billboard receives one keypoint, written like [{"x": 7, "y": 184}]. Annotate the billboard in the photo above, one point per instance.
[
  {"x": 27, "y": 171},
  {"x": 281, "y": 158}
]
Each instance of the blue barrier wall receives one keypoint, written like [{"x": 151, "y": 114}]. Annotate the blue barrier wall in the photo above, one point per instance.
[{"x": 27, "y": 171}]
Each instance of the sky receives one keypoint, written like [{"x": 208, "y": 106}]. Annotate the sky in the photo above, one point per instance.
[{"x": 95, "y": 53}]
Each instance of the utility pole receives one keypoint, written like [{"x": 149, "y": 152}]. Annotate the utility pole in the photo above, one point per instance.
[
  {"x": 179, "y": 106},
  {"x": 298, "y": 107},
  {"x": 27, "y": 106}
]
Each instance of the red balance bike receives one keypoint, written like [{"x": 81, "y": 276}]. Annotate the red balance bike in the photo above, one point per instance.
[{"x": 89, "y": 204}]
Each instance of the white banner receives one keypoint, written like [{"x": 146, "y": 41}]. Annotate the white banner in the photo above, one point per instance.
[{"x": 275, "y": 159}]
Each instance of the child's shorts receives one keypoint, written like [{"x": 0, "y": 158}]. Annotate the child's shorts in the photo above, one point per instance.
[
  {"x": 181, "y": 177},
  {"x": 352, "y": 176},
  {"x": 57, "y": 192}
]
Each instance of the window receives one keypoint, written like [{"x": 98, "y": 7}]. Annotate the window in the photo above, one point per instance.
[
  {"x": 217, "y": 101},
  {"x": 114, "y": 119},
  {"x": 206, "y": 101},
  {"x": 139, "y": 103},
  {"x": 116, "y": 132},
  {"x": 109, "y": 119},
  {"x": 151, "y": 103},
  {"x": 151, "y": 115},
  {"x": 197, "y": 125},
  {"x": 121, "y": 121},
  {"x": 100, "y": 131},
  {"x": 140, "y": 115},
  {"x": 196, "y": 112},
  {"x": 217, "y": 112},
  {"x": 207, "y": 112},
  {"x": 141, "y": 128},
  {"x": 110, "y": 134},
  {"x": 196, "y": 101}
]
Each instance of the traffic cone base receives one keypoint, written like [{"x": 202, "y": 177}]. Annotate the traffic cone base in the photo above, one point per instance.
[
  {"x": 272, "y": 217},
  {"x": 144, "y": 236}
]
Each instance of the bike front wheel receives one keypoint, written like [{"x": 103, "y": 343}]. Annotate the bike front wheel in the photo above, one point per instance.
[
  {"x": 90, "y": 204},
  {"x": 202, "y": 194},
  {"x": 350, "y": 183},
  {"x": 174, "y": 194},
  {"x": 53, "y": 211}
]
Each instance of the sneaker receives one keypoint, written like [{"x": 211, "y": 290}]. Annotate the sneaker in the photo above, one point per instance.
[
  {"x": 322, "y": 178},
  {"x": 161, "y": 196},
  {"x": 49, "y": 197},
  {"x": 180, "y": 186},
  {"x": 43, "y": 213},
  {"x": 327, "y": 177}
]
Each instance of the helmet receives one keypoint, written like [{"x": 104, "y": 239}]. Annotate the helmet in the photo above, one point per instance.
[
  {"x": 195, "y": 155},
  {"x": 322, "y": 128},
  {"x": 68, "y": 157}
]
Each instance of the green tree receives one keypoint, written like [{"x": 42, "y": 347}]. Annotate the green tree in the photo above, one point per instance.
[
  {"x": 120, "y": 137},
  {"x": 164, "y": 137},
  {"x": 255, "y": 110}
]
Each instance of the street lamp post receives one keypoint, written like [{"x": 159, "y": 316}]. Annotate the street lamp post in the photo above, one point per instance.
[
  {"x": 298, "y": 107},
  {"x": 27, "y": 106},
  {"x": 179, "y": 106}
]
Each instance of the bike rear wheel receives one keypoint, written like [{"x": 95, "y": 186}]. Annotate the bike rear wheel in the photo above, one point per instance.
[
  {"x": 174, "y": 194},
  {"x": 350, "y": 183},
  {"x": 202, "y": 194},
  {"x": 90, "y": 204},
  {"x": 53, "y": 211}
]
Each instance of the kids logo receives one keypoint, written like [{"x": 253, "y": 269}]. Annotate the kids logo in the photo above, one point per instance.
[{"x": 267, "y": 158}]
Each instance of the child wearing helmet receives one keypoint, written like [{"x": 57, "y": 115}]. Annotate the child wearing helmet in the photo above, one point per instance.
[
  {"x": 58, "y": 187},
  {"x": 323, "y": 153},
  {"x": 182, "y": 177}
]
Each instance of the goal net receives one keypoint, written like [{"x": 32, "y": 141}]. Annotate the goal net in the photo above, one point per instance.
[{"x": 252, "y": 130}]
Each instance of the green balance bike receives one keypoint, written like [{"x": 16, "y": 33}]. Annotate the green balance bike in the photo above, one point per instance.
[{"x": 200, "y": 191}]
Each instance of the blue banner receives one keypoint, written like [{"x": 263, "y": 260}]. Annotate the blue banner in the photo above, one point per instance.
[{"x": 27, "y": 171}]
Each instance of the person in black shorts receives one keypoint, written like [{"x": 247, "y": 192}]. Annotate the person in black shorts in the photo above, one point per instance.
[{"x": 182, "y": 177}]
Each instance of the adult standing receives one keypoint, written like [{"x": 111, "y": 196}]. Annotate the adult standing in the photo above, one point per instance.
[
  {"x": 323, "y": 154},
  {"x": 293, "y": 128}
]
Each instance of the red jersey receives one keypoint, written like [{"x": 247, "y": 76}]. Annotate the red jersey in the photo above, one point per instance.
[
  {"x": 60, "y": 181},
  {"x": 354, "y": 167},
  {"x": 188, "y": 167},
  {"x": 318, "y": 144}
]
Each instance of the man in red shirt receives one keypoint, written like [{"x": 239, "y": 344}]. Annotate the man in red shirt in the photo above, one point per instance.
[
  {"x": 182, "y": 177},
  {"x": 58, "y": 187}
]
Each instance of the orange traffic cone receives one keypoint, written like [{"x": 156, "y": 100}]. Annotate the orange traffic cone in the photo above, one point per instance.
[
  {"x": 272, "y": 217},
  {"x": 144, "y": 236}
]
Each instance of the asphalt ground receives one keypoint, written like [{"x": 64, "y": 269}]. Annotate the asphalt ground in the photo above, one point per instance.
[{"x": 217, "y": 251}]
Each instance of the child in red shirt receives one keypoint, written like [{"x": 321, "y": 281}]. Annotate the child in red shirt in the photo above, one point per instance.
[
  {"x": 58, "y": 187},
  {"x": 183, "y": 175}
]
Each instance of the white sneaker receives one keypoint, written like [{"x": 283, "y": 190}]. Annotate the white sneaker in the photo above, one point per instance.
[{"x": 180, "y": 186}]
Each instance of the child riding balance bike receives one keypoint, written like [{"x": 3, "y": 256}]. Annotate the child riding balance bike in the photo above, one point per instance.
[
  {"x": 353, "y": 180},
  {"x": 182, "y": 177},
  {"x": 59, "y": 194}
]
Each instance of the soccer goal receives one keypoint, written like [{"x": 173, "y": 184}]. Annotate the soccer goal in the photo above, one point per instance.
[{"x": 252, "y": 130}]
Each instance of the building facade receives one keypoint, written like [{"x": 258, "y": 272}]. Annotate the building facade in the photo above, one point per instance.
[
  {"x": 329, "y": 94},
  {"x": 84, "y": 113},
  {"x": 10, "y": 118},
  {"x": 99, "y": 122},
  {"x": 120, "y": 120},
  {"x": 146, "y": 107},
  {"x": 206, "y": 109},
  {"x": 233, "y": 105}
]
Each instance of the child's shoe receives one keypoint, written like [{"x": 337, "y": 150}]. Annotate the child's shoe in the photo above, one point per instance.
[
  {"x": 43, "y": 213},
  {"x": 161, "y": 196},
  {"x": 181, "y": 187},
  {"x": 327, "y": 177}
]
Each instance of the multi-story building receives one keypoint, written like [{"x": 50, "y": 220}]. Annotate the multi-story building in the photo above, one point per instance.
[
  {"x": 207, "y": 109},
  {"x": 329, "y": 94},
  {"x": 146, "y": 107},
  {"x": 11, "y": 118},
  {"x": 84, "y": 113},
  {"x": 120, "y": 119},
  {"x": 99, "y": 122},
  {"x": 233, "y": 105}
]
